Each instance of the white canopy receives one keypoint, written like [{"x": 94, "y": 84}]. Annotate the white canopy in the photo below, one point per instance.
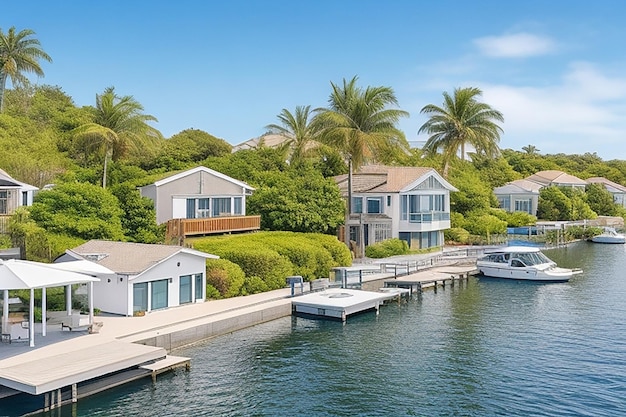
[
  {"x": 83, "y": 266},
  {"x": 16, "y": 274}
]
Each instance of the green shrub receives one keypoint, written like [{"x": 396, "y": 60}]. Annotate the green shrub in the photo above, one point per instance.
[
  {"x": 224, "y": 276},
  {"x": 386, "y": 248},
  {"x": 456, "y": 235}
]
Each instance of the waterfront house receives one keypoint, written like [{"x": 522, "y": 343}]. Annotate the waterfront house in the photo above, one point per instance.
[
  {"x": 147, "y": 277},
  {"x": 13, "y": 194},
  {"x": 201, "y": 201},
  {"x": 519, "y": 195},
  {"x": 617, "y": 190},
  {"x": 409, "y": 203}
]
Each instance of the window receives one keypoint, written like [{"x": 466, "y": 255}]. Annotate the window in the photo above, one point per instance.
[
  {"x": 505, "y": 203},
  {"x": 357, "y": 204},
  {"x": 374, "y": 205},
  {"x": 199, "y": 287},
  {"x": 221, "y": 206},
  {"x": 140, "y": 297},
  {"x": 238, "y": 205},
  {"x": 388, "y": 201},
  {"x": 523, "y": 205},
  {"x": 4, "y": 196},
  {"x": 191, "y": 208},
  {"x": 203, "y": 208},
  {"x": 159, "y": 294},
  {"x": 185, "y": 289},
  {"x": 24, "y": 198}
]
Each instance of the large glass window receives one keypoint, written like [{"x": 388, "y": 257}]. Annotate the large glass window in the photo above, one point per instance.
[
  {"x": 140, "y": 297},
  {"x": 357, "y": 205},
  {"x": 221, "y": 206},
  {"x": 199, "y": 287},
  {"x": 159, "y": 294},
  {"x": 523, "y": 205},
  {"x": 185, "y": 289},
  {"x": 238, "y": 205},
  {"x": 3, "y": 202},
  {"x": 505, "y": 203}
]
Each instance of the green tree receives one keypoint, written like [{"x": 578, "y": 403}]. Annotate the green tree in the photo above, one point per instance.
[
  {"x": 297, "y": 201},
  {"x": 462, "y": 119},
  {"x": 19, "y": 53},
  {"x": 139, "y": 218},
  {"x": 360, "y": 123},
  {"x": 300, "y": 130},
  {"x": 554, "y": 204},
  {"x": 474, "y": 194},
  {"x": 530, "y": 149},
  {"x": 600, "y": 200},
  {"x": 80, "y": 210},
  {"x": 118, "y": 125}
]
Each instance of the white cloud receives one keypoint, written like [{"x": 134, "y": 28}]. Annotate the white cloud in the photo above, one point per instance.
[
  {"x": 583, "y": 113},
  {"x": 519, "y": 45}
]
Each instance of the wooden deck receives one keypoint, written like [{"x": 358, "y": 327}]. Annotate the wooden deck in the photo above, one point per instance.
[{"x": 178, "y": 229}]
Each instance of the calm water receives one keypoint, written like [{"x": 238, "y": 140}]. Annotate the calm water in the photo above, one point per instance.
[{"x": 487, "y": 348}]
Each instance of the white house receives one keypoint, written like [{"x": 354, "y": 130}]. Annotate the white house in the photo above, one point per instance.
[
  {"x": 409, "y": 203},
  {"x": 147, "y": 277},
  {"x": 519, "y": 195},
  {"x": 197, "y": 193},
  {"x": 14, "y": 194}
]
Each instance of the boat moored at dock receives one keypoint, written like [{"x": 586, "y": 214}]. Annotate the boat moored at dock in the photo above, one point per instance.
[
  {"x": 609, "y": 235},
  {"x": 522, "y": 263}
]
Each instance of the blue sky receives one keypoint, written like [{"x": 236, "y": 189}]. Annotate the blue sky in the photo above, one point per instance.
[{"x": 555, "y": 69}]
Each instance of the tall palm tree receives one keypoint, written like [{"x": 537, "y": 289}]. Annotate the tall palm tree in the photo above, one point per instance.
[
  {"x": 300, "y": 131},
  {"x": 19, "y": 53},
  {"x": 361, "y": 126},
  {"x": 118, "y": 125},
  {"x": 462, "y": 119}
]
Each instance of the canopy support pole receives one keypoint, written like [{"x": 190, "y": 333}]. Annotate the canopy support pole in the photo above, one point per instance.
[
  {"x": 43, "y": 311},
  {"x": 31, "y": 318}
]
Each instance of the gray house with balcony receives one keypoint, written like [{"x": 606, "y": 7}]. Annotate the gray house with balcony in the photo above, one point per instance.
[{"x": 409, "y": 203}]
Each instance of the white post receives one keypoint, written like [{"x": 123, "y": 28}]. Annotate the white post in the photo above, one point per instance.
[
  {"x": 68, "y": 299},
  {"x": 5, "y": 313},
  {"x": 43, "y": 311},
  {"x": 90, "y": 302},
  {"x": 31, "y": 318}
]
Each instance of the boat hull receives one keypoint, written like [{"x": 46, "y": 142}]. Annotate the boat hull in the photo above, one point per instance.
[
  {"x": 526, "y": 274},
  {"x": 608, "y": 239}
]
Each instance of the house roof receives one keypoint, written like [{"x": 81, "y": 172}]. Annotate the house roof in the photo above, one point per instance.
[
  {"x": 611, "y": 186},
  {"x": 270, "y": 141},
  {"x": 6, "y": 181},
  {"x": 554, "y": 177},
  {"x": 388, "y": 179},
  {"x": 518, "y": 187},
  {"x": 202, "y": 169},
  {"x": 128, "y": 258}
]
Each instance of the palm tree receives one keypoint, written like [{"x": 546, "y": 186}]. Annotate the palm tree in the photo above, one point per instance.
[
  {"x": 361, "y": 126},
  {"x": 300, "y": 131},
  {"x": 530, "y": 149},
  {"x": 19, "y": 53},
  {"x": 118, "y": 125},
  {"x": 462, "y": 119}
]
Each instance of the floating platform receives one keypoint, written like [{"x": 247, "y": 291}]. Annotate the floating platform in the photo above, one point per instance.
[{"x": 339, "y": 303}]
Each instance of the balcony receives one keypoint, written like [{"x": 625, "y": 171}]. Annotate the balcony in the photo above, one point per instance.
[{"x": 179, "y": 229}]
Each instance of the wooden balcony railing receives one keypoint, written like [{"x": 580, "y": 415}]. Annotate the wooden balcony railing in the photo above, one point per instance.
[{"x": 178, "y": 229}]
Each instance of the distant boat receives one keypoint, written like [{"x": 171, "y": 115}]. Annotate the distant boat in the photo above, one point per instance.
[
  {"x": 609, "y": 235},
  {"x": 522, "y": 263}
]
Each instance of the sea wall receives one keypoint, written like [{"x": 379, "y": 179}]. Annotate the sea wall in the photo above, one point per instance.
[{"x": 174, "y": 339}]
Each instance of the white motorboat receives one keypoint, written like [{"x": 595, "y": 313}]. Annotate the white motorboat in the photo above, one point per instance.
[
  {"x": 609, "y": 235},
  {"x": 523, "y": 263}
]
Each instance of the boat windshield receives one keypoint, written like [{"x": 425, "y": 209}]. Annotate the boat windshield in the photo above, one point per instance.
[{"x": 532, "y": 258}]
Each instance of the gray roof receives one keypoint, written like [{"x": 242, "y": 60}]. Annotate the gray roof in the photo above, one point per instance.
[{"x": 130, "y": 258}]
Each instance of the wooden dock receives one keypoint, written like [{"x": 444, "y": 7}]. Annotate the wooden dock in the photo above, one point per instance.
[{"x": 434, "y": 278}]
